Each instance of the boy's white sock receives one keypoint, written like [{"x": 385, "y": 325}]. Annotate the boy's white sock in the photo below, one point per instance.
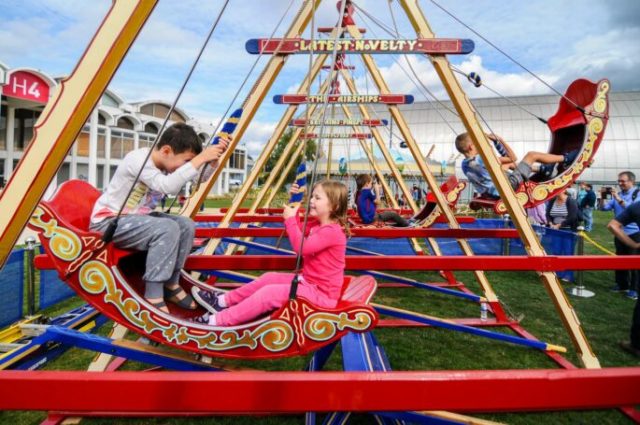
[
  {"x": 222, "y": 302},
  {"x": 212, "y": 320}
]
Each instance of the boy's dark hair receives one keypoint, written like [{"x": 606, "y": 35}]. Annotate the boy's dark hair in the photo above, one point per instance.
[
  {"x": 462, "y": 142},
  {"x": 588, "y": 186},
  {"x": 180, "y": 137},
  {"x": 361, "y": 180}
]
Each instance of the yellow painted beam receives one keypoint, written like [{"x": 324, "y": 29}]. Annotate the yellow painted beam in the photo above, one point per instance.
[{"x": 529, "y": 238}]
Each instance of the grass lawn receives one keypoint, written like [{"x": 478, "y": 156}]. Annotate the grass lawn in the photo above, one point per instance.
[{"x": 605, "y": 318}]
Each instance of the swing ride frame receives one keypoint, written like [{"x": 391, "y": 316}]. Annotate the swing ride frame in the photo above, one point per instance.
[{"x": 290, "y": 392}]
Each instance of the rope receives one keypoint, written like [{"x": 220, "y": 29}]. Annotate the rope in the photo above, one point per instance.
[
  {"x": 233, "y": 100},
  {"x": 475, "y": 80},
  {"x": 111, "y": 229},
  {"x": 294, "y": 283},
  {"x": 534, "y": 75},
  {"x": 422, "y": 88},
  {"x": 472, "y": 77},
  {"x": 594, "y": 243}
]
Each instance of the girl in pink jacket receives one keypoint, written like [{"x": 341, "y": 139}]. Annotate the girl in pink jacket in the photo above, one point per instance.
[{"x": 323, "y": 254}]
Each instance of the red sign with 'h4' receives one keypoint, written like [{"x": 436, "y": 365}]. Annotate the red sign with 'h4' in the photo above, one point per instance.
[{"x": 28, "y": 86}]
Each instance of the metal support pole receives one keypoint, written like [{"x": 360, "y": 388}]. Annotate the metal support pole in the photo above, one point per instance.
[
  {"x": 579, "y": 290},
  {"x": 31, "y": 276},
  {"x": 506, "y": 242}
]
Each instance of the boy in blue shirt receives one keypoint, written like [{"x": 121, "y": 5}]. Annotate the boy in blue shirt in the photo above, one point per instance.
[
  {"x": 367, "y": 200},
  {"x": 473, "y": 167}
]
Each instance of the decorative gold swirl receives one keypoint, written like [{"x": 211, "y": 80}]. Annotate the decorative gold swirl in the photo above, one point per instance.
[
  {"x": 501, "y": 208},
  {"x": 431, "y": 218},
  {"x": 63, "y": 243},
  {"x": 541, "y": 192},
  {"x": 275, "y": 335},
  {"x": 600, "y": 103},
  {"x": 322, "y": 326}
]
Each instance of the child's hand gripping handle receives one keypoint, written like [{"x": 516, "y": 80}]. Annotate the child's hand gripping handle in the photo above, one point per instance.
[{"x": 298, "y": 189}]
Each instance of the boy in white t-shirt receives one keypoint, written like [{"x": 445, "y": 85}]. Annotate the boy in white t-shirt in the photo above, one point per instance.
[{"x": 175, "y": 160}]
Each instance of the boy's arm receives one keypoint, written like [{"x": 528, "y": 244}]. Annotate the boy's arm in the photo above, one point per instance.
[
  {"x": 511, "y": 156},
  {"x": 616, "y": 228}
]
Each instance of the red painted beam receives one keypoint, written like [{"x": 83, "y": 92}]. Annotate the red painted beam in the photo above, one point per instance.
[
  {"x": 383, "y": 232},
  {"x": 240, "y": 218},
  {"x": 407, "y": 262},
  {"x": 277, "y": 218},
  {"x": 358, "y": 136},
  {"x": 302, "y": 122},
  {"x": 290, "y": 392},
  {"x": 285, "y": 46}
]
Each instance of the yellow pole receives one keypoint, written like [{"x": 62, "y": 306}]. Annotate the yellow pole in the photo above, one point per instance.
[{"x": 532, "y": 244}]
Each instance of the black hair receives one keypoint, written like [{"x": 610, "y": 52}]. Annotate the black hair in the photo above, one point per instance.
[{"x": 180, "y": 137}]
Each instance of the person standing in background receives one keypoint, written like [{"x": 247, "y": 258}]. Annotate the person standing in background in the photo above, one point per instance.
[{"x": 619, "y": 202}]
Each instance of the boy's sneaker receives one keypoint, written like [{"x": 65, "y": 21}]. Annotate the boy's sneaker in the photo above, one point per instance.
[
  {"x": 569, "y": 157},
  {"x": 617, "y": 288},
  {"x": 546, "y": 170},
  {"x": 632, "y": 294},
  {"x": 201, "y": 320},
  {"x": 207, "y": 299}
]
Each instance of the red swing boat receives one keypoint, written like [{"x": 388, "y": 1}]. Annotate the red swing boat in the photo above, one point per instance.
[
  {"x": 578, "y": 125},
  {"x": 110, "y": 279}
]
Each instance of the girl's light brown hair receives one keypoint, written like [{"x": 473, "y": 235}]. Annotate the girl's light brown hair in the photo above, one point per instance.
[{"x": 339, "y": 199}]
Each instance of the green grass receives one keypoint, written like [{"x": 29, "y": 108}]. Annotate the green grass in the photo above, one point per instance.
[{"x": 605, "y": 319}]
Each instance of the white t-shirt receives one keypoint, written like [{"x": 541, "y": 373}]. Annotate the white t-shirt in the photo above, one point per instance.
[{"x": 152, "y": 185}]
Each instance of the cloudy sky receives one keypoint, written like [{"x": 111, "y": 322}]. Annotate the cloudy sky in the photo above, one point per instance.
[{"x": 559, "y": 41}]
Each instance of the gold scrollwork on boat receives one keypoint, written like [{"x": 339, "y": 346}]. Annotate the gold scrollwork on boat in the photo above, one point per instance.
[
  {"x": 431, "y": 218},
  {"x": 594, "y": 128},
  {"x": 96, "y": 278},
  {"x": 600, "y": 103},
  {"x": 522, "y": 198},
  {"x": 63, "y": 243},
  {"x": 322, "y": 326},
  {"x": 273, "y": 335}
]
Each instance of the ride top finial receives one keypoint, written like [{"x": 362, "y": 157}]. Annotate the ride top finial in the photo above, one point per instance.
[
  {"x": 474, "y": 79},
  {"x": 301, "y": 181},
  {"x": 347, "y": 18}
]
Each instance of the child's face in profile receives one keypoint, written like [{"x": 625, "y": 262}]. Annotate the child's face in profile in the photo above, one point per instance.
[
  {"x": 170, "y": 161},
  {"x": 319, "y": 206},
  {"x": 470, "y": 149}
]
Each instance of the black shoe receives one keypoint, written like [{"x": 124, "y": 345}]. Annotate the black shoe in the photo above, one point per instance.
[
  {"x": 570, "y": 157},
  {"x": 207, "y": 299},
  {"x": 626, "y": 346},
  {"x": 546, "y": 171}
]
